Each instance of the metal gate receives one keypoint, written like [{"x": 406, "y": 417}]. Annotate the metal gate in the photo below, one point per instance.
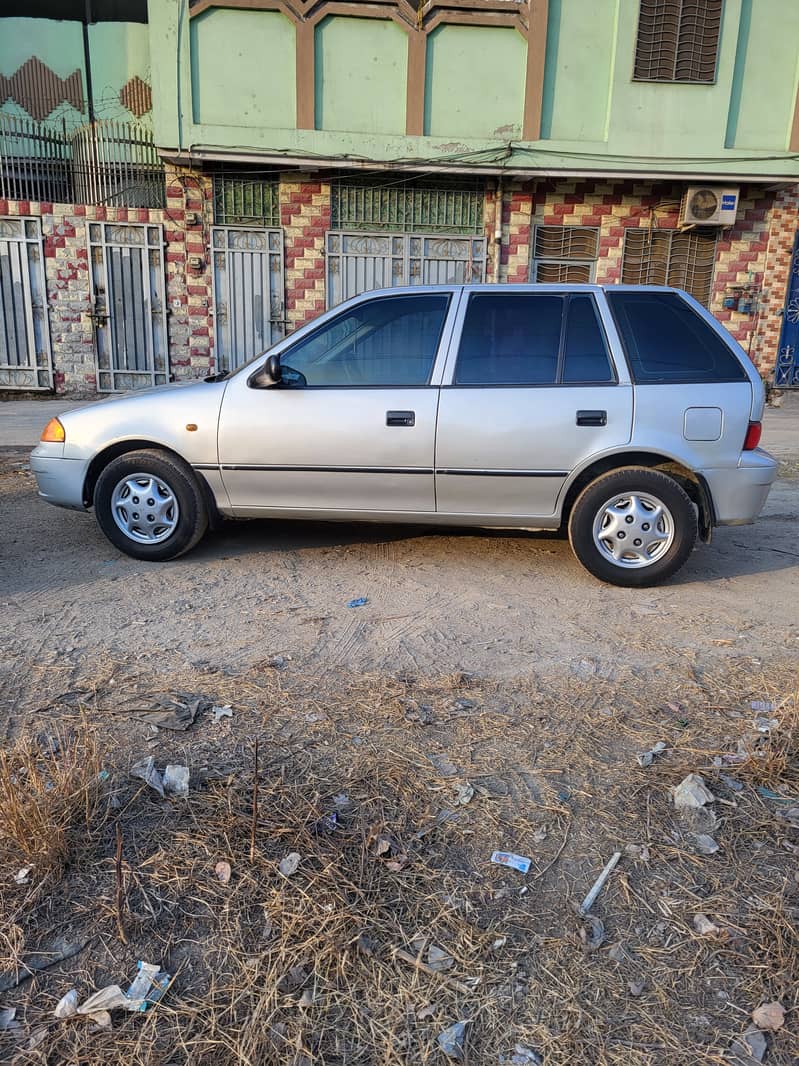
[
  {"x": 129, "y": 313},
  {"x": 357, "y": 262},
  {"x": 786, "y": 373},
  {"x": 24, "y": 330},
  {"x": 248, "y": 292}
]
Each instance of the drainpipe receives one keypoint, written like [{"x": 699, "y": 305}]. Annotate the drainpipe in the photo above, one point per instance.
[
  {"x": 87, "y": 61},
  {"x": 497, "y": 228}
]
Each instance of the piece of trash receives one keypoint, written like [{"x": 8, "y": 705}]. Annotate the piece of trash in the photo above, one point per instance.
[
  {"x": 105, "y": 999},
  {"x": 452, "y": 1041},
  {"x": 222, "y": 712},
  {"x": 443, "y": 764},
  {"x": 540, "y": 834},
  {"x": 327, "y": 823},
  {"x": 769, "y": 1016},
  {"x": 290, "y": 864},
  {"x": 67, "y": 1005},
  {"x": 172, "y": 714},
  {"x": 500, "y": 942},
  {"x": 23, "y": 876},
  {"x": 176, "y": 780},
  {"x": 762, "y": 706},
  {"x": 524, "y": 1056},
  {"x": 7, "y": 1016},
  {"x": 636, "y": 987},
  {"x": 705, "y": 844},
  {"x": 279, "y": 662},
  {"x": 597, "y": 886},
  {"x": 769, "y": 794},
  {"x": 426, "y": 1012},
  {"x": 306, "y": 999},
  {"x": 293, "y": 979},
  {"x": 592, "y": 932},
  {"x": 36, "y": 1038},
  {"x": 147, "y": 987},
  {"x": 100, "y": 1020},
  {"x": 464, "y": 794},
  {"x": 747, "y": 1050},
  {"x": 146, "y": 771},
  {"x": 365, "y": 944},
  {"x": 438, "y": 959},
  {"x": 515, "y": 862},
  {"x": 223, "y": 871},
  {"x": 692, "y": 792},
  {"x": 361, "y": 601},
  {"x": 618, "y": 953},
  {"x": 704, "y": 926},
  {"x": 637, "y": 852},
  {"x": 342, "y": 801},
  {"x": 764, "y": 724},
  {"x": 731, "y": 783},
  {"x": 646, "y": 757}
]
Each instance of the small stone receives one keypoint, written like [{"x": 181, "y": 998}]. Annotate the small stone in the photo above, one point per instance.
[
  {"x": 290, "y": 864},
  {"x": 704, "y": 926},
  {"x": 705, "y": 844},
  {"x": 692, "y": 792},
  {"x": 769, "y": 1016},
  {"x": 636, "y": 987}
]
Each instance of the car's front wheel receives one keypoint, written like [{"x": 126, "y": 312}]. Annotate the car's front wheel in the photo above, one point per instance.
[
  {"x": 150, "y": 505},
  {"x": 633, "y": 527}
]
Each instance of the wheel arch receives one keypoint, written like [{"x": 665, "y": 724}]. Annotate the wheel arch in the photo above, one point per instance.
[{"x": 692, "y": 482}]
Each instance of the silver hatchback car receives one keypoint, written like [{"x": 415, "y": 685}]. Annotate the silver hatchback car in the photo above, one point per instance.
[{"x": 624, "y": 414}]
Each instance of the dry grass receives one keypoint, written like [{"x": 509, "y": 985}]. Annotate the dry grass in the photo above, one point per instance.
[{"x": 320, "y": 967}]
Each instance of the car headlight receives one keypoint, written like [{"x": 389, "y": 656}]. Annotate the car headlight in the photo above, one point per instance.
[{"x": 53, "y": 432}]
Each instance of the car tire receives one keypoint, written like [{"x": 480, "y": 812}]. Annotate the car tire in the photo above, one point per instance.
[
  {"x": 633, "y": 527},
  {"x": 150, "y": 505}
]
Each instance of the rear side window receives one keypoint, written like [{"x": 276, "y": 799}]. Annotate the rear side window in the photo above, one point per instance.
[
  {"x": 667, "y": 342},
  {"x": 520, "y": 339}
]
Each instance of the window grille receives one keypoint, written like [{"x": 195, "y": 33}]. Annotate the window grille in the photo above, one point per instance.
[
  {"x": 564, "y": 253},
  {"x": 246, "y": 200},
  {"x": 678, "y": 40},
  {"x": 668, "y": 257},
  {"x": 407, "y": 207}
]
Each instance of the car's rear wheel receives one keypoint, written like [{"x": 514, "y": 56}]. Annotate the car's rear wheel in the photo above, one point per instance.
[
  {"x": 150, "y": 505},
  {"x": 633, "y": 527}
]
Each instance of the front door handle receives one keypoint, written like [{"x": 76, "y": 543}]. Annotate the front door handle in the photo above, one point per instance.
[
  {"x": 400, "y": 418},
  {"x": 592, "y": 418}
]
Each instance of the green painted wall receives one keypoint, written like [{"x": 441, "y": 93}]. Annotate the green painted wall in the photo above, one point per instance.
[
  {"x": 119, "y": 51},
  {"x": 475, "y": 82},
  {"x": 765, "y": 75},
  {"x": 361, "y": 71},
  {"x": 580, "y": 54},
  {"x": 243, "y": 69}
]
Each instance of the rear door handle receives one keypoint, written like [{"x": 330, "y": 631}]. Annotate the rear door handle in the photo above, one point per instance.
[
  {"x": 592, "y": 418},
  {"x": 400, "y": 418}
]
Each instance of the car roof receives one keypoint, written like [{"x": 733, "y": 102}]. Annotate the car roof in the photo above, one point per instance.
[{"x": 526, "y": 286}]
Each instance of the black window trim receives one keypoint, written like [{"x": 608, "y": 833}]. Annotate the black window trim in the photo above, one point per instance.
[{"x": 557, "y": 383}]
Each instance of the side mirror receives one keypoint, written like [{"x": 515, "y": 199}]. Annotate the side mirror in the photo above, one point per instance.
[{"x": 271, "y": 373}]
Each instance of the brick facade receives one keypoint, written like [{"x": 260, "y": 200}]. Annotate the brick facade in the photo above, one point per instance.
[{"x": 754, "y": 253}]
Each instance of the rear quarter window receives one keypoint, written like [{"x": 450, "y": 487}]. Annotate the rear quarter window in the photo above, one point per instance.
[{"x": 668, "y": 342}]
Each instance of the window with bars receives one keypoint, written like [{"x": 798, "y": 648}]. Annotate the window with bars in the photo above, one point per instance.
[
  {"x": 668, "y": 257},
  {"x": 246, "y": 200},
  {"x": 678, "y": 41},
  {"x": 564, "y": 253},
  {"x": 407, "y": 207}
]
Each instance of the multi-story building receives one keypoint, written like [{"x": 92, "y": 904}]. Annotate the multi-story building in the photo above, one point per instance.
[{"x": 183, "y": 182}]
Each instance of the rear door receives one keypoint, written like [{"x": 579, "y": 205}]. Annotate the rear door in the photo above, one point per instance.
[{"x": 530, "y": 393}]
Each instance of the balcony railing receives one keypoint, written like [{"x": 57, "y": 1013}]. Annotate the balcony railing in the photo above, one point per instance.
[{"x": 106, "y": 162}]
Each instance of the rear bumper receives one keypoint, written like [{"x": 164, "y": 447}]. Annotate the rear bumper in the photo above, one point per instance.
[
  {"x": 60, "y": 481},
  {"x": 739, "y": 493}
]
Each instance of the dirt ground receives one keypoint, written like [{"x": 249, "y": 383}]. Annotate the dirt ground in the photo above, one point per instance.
[{"x": 488, "y": 662}]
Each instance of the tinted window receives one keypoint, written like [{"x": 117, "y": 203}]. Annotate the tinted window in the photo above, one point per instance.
[
  {"x": 667, "y": 341},
  {"x": 585, "y": 355},
  {"x": 388, "y": 341},
  {"x": 510, "y": 339}
]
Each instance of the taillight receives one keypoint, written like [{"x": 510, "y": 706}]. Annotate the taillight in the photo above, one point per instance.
[{"x": 752, "y": 438}]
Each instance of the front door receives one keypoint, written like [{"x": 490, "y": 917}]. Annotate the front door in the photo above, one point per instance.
[
  {"x": 533, "y": 394},
  {"x": 786, "y": 373},
  {"x": 352, "y": 425}
]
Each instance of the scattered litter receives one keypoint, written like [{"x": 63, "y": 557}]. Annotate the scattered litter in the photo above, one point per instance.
[
  {"x": 290, "y": 864},
  {"x": 293, "y": 979},
  {"x": 704, "y": 926},
  {"x": 791, "y": 816},
  {"x": 279, "y": 662},
  {"x": 461, "y": 705},
  {"x": 764, "y": 724},
  {"x": 306, "y": 999},
  {"x": 146, "y": 771},
  {"x": 646, "y": 757},
  {"x": 705, "y": 844},
  {"x": 361, "y": 601},
  {"x": 618, "y": 953},
  {"x": 67, "y": 1005},
  {"x": 443, "y": 764},
  {"x": 515, "y": 862},
  {"x": 731, "y": 783},
  {"x": 426, "y": 1012},
  {"x": 452, "y": 1041},
  {"x": 592, "y": 932},
  {"x": 769, "y": 794},
  {"x": 147, "y": 987},
  {"x": 762, "y": 706},
  {"x": 175, "y": 715},
  {"x": 23, "y": 876},
  {"x": 223, "y": 871},
  {"x": 342, "y": 801},
  {"x": 222, "y": 712},
  {"x": 540, "y": 834},
  {"x": 692, "y": 792},
  {"x": 747, "y": 1050},
  {"x": 105, "y": 999},
  {"x": 500, "y": 942},
  {"x": 7, "y": 1015},
  {"x": 636, "y": 987},
  {"x": 438, "y": 959},
  {"x": 328, "y": 823},
  {"x": 36, "y": 1038},
  {"x": 464, "y": 794},
  {"x": 769, "y": 1016},
  {"x": 523, "y": 1056},
  {"x": 596, "y": 888},
  {"x": 176, "y": 780},
  {"x": 637, "y": 852}
]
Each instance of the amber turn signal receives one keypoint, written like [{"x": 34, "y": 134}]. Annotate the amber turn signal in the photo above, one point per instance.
[{"x": 54, "y": 432}]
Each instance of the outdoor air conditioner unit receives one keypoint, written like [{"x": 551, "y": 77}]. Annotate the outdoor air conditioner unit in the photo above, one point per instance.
[{"x": 710, "y": 205}]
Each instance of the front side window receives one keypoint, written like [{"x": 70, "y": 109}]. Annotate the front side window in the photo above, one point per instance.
[
  {"x": 668, "y": 342},
  {"x": 523, "y": 339},
  {"x": 388, "y": 341},
  {"x": 564, "y": 253},
  {"x": 678, "y": 41},
  {"x": 669, "y": 257}
]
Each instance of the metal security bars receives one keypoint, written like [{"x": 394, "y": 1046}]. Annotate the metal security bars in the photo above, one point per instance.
[
  {"x": 114, "y": 163},
  {"x": 24, "y": 330},
  {"x": 408, "y": 207},
  {"x": 668, "y": 257},
  {"x": 564, "y": 253},
  {"x": 677, "y": 40},
  {"x": 246, "y": 200}
]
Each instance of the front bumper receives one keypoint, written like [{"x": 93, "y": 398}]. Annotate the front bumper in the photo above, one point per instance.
[
  {"x": 740, "y": 492},
  {"x": 60, "y": 481}
]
